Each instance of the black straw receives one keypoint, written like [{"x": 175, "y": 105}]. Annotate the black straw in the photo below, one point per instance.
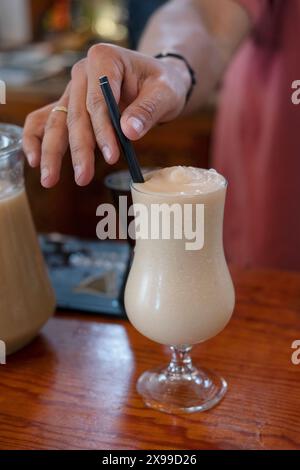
[{"x": 125, "y": 143}]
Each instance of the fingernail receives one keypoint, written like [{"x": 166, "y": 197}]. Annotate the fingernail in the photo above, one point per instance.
[
  {"x": 31, "y": 158},
  {"x": 136, "y": 124},
  {"x": 45, "y": 173},
  {"x": 107, "y": 153},
  {"x": 78, "y": 171}
]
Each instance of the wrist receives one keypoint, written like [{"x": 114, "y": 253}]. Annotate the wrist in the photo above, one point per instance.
[{"x": 181, "y": 69}]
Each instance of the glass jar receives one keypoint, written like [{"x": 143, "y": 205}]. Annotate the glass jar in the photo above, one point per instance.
[{"x": 26, "y": 296}]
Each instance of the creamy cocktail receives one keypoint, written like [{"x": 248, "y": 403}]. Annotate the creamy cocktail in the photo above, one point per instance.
[{"x": 178, "y": 296}]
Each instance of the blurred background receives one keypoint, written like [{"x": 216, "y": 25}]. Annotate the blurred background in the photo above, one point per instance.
[{"x": 40, "y": 40}]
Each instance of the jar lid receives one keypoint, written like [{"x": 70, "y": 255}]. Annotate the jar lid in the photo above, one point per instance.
[{"x": 10, "y": 139}]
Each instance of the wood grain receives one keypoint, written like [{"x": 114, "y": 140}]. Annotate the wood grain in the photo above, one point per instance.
[{"x": 74, "y": 386}]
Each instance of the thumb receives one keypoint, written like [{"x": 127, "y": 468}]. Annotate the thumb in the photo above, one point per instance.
[{"x": 146, "y": 111}]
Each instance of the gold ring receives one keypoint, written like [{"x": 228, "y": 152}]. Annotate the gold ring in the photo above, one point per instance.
[{"x": 61, "y": 109}]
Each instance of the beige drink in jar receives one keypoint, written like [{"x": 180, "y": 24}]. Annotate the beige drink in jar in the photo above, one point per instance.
[
  {"x": 180, "y": 297},
  {"x": 26, "y": 297}
]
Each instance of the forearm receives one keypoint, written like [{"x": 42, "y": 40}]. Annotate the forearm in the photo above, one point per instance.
[{"x": 205, "y": 32}]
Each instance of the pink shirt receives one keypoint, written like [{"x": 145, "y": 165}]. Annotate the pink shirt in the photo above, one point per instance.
[{"x": 257, "y": 141}]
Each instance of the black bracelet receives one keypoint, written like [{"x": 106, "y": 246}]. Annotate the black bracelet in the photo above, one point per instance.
[{"x": 162, "y": 55}]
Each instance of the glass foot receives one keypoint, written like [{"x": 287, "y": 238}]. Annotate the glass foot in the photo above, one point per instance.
[{"x": 181, "y": 388}]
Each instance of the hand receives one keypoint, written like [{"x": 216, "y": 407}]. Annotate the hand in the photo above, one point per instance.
[{"x": 148, "y": 90}]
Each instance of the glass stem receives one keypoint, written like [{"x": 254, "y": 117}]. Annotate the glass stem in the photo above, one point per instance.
[{"x": 181, "y": 361}]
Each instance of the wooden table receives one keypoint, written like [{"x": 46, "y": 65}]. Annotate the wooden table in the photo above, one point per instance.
[{"x": 74, "y": 386}]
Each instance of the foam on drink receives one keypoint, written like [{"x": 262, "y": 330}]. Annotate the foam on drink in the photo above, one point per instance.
[{"x": 183, "y": 180}]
